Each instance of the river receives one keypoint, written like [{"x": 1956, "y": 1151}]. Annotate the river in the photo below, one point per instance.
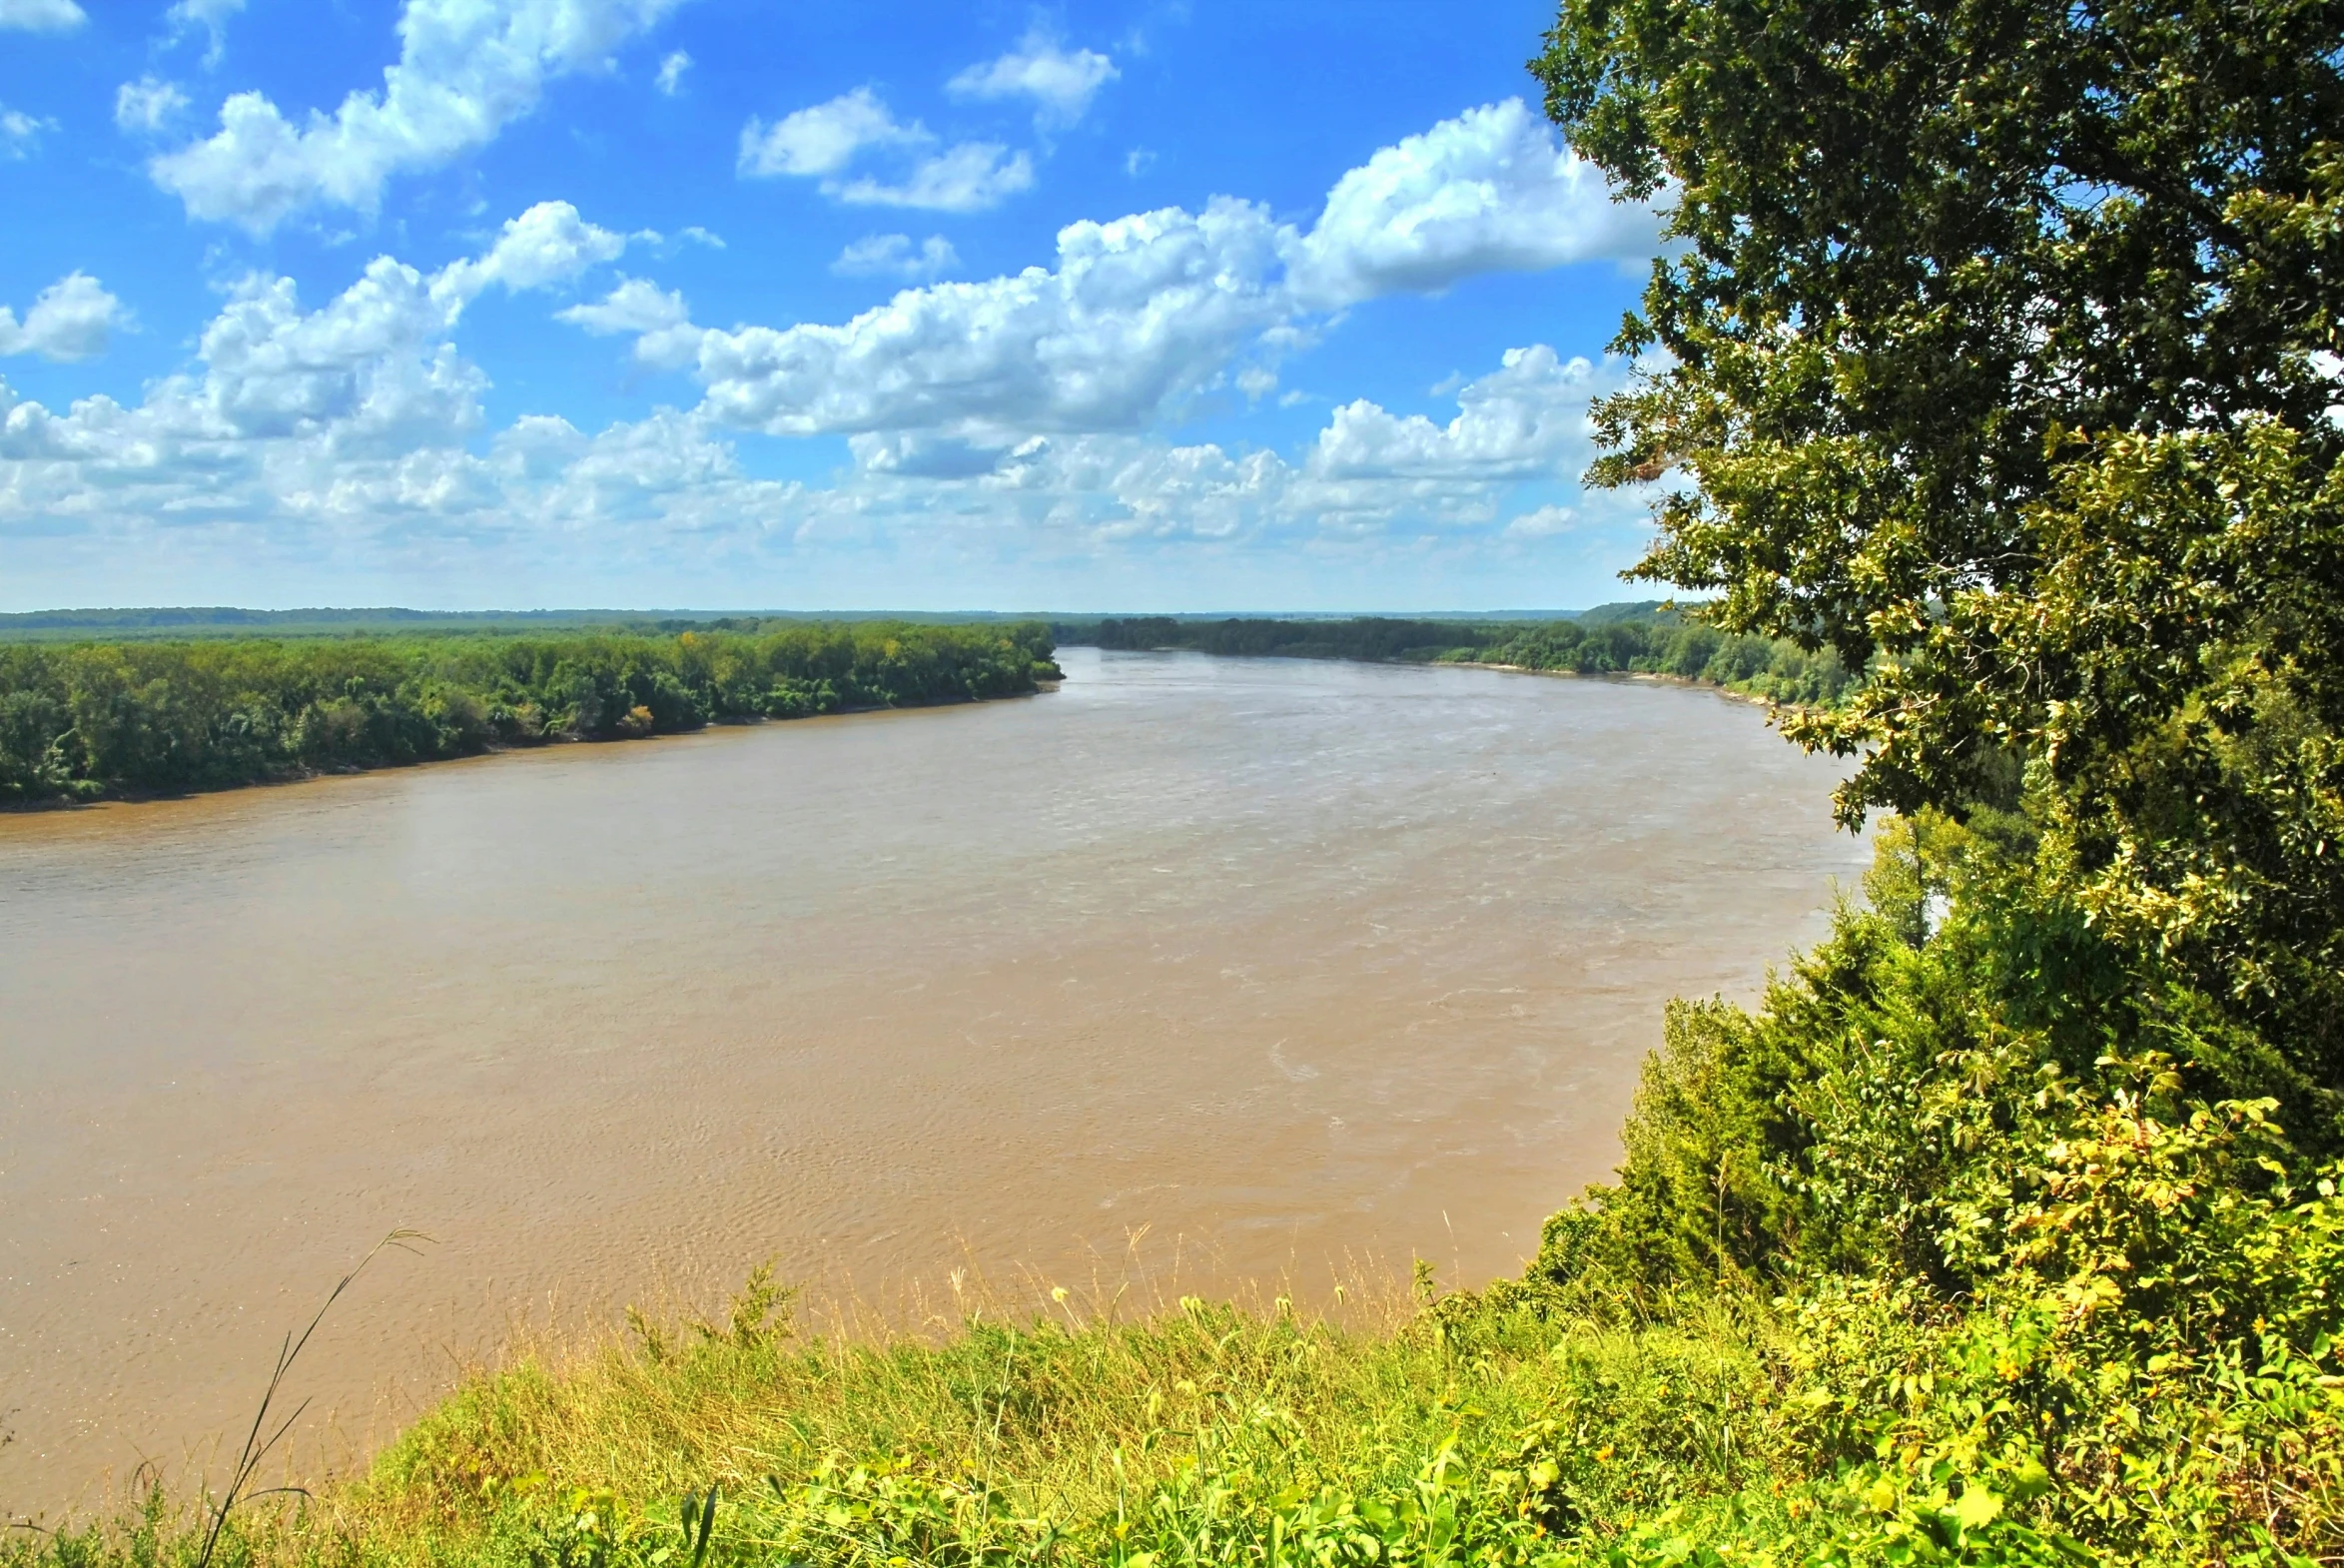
[{"x": 1294, "y": 970}]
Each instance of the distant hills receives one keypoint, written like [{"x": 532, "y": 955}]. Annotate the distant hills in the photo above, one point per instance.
[{"x": 204, "y": 622}]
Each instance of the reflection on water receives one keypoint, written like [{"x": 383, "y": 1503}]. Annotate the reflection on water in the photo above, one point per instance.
[{"x": 1288, "y": 961}]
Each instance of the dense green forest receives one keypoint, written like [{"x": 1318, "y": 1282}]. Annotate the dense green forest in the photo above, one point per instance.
[
  {"x": 1613, "y": 639},
  {"x": 1363, "y": 638},
  {"x": 85, "y": 720}
]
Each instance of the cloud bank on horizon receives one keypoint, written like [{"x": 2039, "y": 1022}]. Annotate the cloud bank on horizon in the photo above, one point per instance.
[{"x": 1317, "y": 380}]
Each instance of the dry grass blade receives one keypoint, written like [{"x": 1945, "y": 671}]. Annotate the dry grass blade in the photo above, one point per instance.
[{"x": 257, "y": 1448}]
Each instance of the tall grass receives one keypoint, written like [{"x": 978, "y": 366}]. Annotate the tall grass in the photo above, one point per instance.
[{"x": 1064, "y": 1430}]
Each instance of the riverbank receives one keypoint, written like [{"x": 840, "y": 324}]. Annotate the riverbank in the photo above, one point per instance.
[
  {"x": 1625, "y": 639},
  {"x": 126, "y": 720},
  {"x": 297, "y": 774},
  {"x": 1732, "y": 693}
]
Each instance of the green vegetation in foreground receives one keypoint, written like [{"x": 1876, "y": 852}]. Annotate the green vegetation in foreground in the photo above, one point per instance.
[
  {"x": 1995, "y": 357},
  {"x": 1610, "y": 639},
  {"x": 86, "y": 720}
]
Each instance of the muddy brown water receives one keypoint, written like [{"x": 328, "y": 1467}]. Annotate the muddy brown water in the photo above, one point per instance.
[{"x": 1304, "y": 968}]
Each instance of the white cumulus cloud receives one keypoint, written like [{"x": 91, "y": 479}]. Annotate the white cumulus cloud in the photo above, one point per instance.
[
  {"x": 968, "y": 177},
  {"x": 667, "y": 470},
  {"x": 823, "y": 141},
  {"x": 1121, "y": 489},
  {"x": 1522, "y": 425},
  {"x": 1527, "y": 419},
  {"x": 1543, "y": 522},
  {"x": 823, "y": 138},
  {"x": 211, "y": 15},
  {"x": 1028, "y": 406},
  {"x": 466, "y": 69},
  {"x": 1060, "y": 82},
  {"x": 1142, "y": 315},
  {"x": 371, "y": 372},
  {"x": 41, "y": 16},
  {"x": 657, "y": 319},
  {"x": 20, "y": 133},
  {"x": 360, "y": 407},
  {"x": 148, "y": 105},
  {"x": 1139, "y": 313},
  {"x": 202, "y": 13},
  {"x": 358, "y": 426},
  {"x": 670, "y": 80},
  {"x": 895, "y": 256},
  {"x": 350, "y": 425},
  {"x": 70, "y": 319},
  {"x": 1493, "y": 190},
  {"x": 549, "y": 244}
]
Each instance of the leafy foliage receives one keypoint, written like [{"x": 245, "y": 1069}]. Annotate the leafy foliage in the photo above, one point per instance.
[
  {"x": 1999, "y": 348},
  {"x": 1772, "y": 668},
  {"x": 2013, "y": 1250},
  {"x": 1362, "y": 638}
]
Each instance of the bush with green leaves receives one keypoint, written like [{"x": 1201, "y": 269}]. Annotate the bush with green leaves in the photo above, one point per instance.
[{"x": 2029, "y": 1269}]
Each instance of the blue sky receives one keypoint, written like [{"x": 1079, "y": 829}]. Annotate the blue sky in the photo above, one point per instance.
[{"x": 474, "y": 303}]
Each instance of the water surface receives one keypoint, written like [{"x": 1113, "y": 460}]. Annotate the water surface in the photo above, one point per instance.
[{"x": 1289, "y": 963}]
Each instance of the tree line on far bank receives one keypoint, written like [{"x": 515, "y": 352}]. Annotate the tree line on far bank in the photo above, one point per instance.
[
  {"x": 92, "y": 719},
  {"x": 1636, "y": 639}
]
